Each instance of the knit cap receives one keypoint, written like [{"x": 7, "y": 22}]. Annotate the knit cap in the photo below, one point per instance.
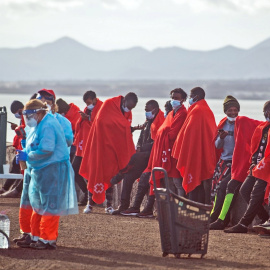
[{"x": 230, "y": 101}]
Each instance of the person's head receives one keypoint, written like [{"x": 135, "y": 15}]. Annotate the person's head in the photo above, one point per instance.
[
  {"x": 129, "y": 102},
  {"x": 167, "y": 107},
  {"x": 49, "y": 97},
  {"x": 266, "y": 110},
  {"x": 178, "y": 96},
  {"x": 34, "y": 96},
  {"x": 151, "y": 109},
  {"x": 90, "y": 99},
  {"x": 231, "y": 107},
  {"x": 196, "y": 94},
  {"x": 16, "y": 108},
  {"x": 33, "y": 112},
  {"x": 63, "y": 106}
]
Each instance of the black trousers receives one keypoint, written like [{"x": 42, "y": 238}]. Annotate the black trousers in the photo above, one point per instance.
[
  {"x": 139, "y": 163},
  {"x": 202, "y": 193},
  {"x": 16, "y": 183},
  {"x": 253, "y": 191},
  {"x": 226, "y": 186},
  {"x": 76, "y": 164}
]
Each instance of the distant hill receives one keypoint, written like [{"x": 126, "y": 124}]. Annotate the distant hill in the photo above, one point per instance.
[{"x": 67, "y": 59}]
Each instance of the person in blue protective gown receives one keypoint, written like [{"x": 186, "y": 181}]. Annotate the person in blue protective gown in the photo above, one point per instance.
[{"x": 49, "y": 179}]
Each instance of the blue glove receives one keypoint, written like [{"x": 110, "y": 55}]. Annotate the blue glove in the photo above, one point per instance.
[
  {"x": 21, "y": 156},
  {"x": 23, "y": 143}
]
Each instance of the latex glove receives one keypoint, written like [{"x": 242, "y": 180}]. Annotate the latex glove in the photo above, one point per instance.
[
  {"x": 21, "y": 156},
  {"x": 23, "y": 143}
]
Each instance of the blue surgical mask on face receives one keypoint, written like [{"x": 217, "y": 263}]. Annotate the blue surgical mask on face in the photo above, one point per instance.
[
  {"x": 17, "y": 115},
  {"x": 267, "y": 119},
  {"x": 165, "y": 114},
  {"x": 191, "y": 101},
  {"x": 175, "y": 103},
  {"x": 149, "y": 115},
  {"x": 90, "y": 107}
]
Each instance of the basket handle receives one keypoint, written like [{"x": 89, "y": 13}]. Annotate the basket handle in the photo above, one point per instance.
[{"x": 160, "y": 169}]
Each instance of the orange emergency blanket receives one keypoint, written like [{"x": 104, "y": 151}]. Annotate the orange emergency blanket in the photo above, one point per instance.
[
  {"x": 194, "y": 147},
  {"x": 158, "y": 121},
  {"x": 83, "y": 128},
  {"x": 161, "y": 151},
  {"x": 73, "y": 115},
  {"x": 108, "y": 148}
]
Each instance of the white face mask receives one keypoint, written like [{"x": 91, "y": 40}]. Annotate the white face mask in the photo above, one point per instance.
[
  {"x": 126, "y": 109},
  {"x": 267, "y": 119},
  {"x": 90, "y": 107},
  {"x": 49, "y": 107},
  {"x": 17, "y": 115},
  {"x": 31, "y": 122},
  {"x": 232, "y": 119}
]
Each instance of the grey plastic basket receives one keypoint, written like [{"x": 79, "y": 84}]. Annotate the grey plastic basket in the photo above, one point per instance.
[{"x": 183, "y": 224}]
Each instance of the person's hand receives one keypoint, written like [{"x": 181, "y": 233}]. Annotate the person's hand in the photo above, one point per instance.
[
  {"x": 252, "y": 166},
  {"x": 21, "y": 156},
  {"x": 84, "y": 116},
  {"x": 13, "y": 126},
  {"x": 223, "y": 134},
  {"x": 138, "y": 127}
]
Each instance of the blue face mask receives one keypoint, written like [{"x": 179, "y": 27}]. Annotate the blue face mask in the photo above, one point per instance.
[
  {"x": 175, "y": 103},
  {"x": 126, "y": 109},
  {"x": 267, "y": 119},
  {"x": 149, "y": 115},
  {"x": 17, "y": 115},
  {"x": 191, "y": 101},
  {"x": 90, "y": 107},
  {"x": 165, "y": 114}
]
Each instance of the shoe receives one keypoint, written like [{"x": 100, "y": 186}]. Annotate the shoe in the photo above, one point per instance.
[
  {"x": 263, "y": 228},
  {"x": 88, "y": 209},
  {"x": 109, "y": 210},
  {"x": 2, "y": 191},
  {"x": 238, "y": 228},
  {"x": 26, "y": 242},
  {"x": 41, "y": 245},
  {"x": 119, "y": 210},
  {"x": 217, "y": 225},
  {"x": 145, "y": 214},
  {"x": 116, "y": 179},
  {"x": 132, "y": 211},
  {"x": 20, "y": 238},
  {"x": 11, "y": 194}
]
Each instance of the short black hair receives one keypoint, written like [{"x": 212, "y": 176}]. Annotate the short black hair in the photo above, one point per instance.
[
  {"x": 266, "y": 105},
  {"x": 181, "y": 92},
  {"x": 89, "y": 94},
  {"x": 168, "y": 105},
  {"x": 131, "y": 96},
  {"x": 198, "y": 91},
  {"x": 15, "y": 106},
  {"x": 153, "y": 103},
  {"x": 34, "y": 96}
]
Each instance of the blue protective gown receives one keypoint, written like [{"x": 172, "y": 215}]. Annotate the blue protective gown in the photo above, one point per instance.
[
  {"x": 51, "y": 190},
  {"x": 67, "y": 128}
]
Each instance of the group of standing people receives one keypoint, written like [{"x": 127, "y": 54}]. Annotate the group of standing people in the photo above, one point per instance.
[{"x": 205, "y": 162}]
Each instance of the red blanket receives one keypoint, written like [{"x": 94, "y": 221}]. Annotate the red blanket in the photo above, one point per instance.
[
  {"x": 262, "y": 170},
  {"x": 158, "y": 121},
  {"x": 73, "y": 115},
  {"x": 243, "y": 131},
  {"x": 194, "y": 147},
  {"x": 108, "y": 148},
  {"x": 82, "y": 129},
  {"x": 17, "y": 140},
  {"x": 165, "y": 138}
]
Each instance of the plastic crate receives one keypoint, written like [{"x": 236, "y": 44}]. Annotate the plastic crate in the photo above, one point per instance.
[
  {"x": 3, "y": 136},
  {"x": 183, "y": 224}
]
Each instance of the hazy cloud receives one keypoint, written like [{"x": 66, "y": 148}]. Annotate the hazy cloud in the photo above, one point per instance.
[
  {"x": 249, "y": 6},
  {"x": 24, "y": 5},
  {"x": 128, "y": 4}
]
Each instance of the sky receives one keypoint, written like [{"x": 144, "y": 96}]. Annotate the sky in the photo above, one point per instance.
[{"x": 120, "y": 24}]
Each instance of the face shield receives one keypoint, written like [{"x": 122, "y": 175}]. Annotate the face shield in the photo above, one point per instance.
[{"x": 31, "y": 117}]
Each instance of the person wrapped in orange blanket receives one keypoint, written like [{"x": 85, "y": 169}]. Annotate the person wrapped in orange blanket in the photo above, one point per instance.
[
  {"x": 138, "y": 162},
  {"x": 254, "y": 188},
  {"x": 161, "y": 157},
  {"x": 109, "y": 146},
  {"x": 233, "y": 142},
  {"x": 194, "y": 148}
]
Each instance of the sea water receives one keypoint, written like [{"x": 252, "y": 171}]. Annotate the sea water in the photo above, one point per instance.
[{"x": 249, "y": 108}]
